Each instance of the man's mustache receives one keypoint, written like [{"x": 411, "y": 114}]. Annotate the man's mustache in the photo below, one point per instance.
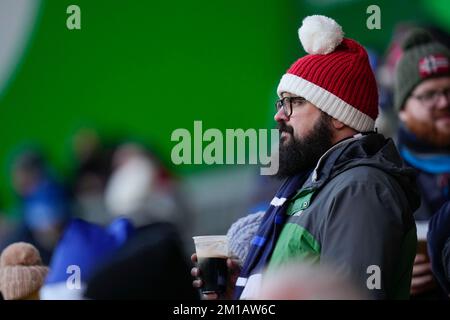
[
  {"x": 283, "y": 127},
  {"x": 442, "y": 113}
]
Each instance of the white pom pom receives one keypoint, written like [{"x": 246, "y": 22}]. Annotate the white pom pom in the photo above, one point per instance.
[{"x": 320, "y": 34}]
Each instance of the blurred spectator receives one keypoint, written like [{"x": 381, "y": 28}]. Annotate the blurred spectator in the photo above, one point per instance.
[
  {"x": 302, "y": 281},
  {"x": 93, "y": 168},
  {"x": 43, "y": 204},
  {"x": 422, "y": 98},
  {"x": 83, "y": 248},
  {"x": 387, "y": 121},
  {"x": 151, "y": 265},
  {"x": 141, "y": 189}
]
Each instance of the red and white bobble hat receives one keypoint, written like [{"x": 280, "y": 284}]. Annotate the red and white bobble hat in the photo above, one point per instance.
[{"x": 335, "y": 76}]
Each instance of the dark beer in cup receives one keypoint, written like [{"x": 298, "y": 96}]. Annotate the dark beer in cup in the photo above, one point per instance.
[
  {"x": 212, "y": 254},
  {"x": 214, "y": 274}
]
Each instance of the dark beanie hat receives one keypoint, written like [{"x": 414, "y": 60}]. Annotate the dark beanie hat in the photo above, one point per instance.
[{"x": 423, "y": 58}]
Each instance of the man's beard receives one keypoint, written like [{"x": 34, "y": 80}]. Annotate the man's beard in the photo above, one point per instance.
[
  {"x": 428, "y": 132},
  {"x": 297, "y": 154}
]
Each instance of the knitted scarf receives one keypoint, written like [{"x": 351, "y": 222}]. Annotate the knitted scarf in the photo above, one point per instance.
[{"x": 270, "y": 228}]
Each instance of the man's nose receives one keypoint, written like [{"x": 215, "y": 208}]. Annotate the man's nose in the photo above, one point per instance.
[{"x": 280, "y": 116}]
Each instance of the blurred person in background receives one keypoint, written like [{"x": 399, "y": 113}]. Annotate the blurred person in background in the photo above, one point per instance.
[
  {"x": 43, "y": 204},
  {"x": 387, "y": 121},
  {"x": 93, "y": 162},
  {"x": 422, "y": 99},
  {"x": 143, "y": 190}
]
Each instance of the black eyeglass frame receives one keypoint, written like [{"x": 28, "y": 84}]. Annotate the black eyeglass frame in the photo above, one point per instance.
[
  {"x": 430, "y": 98},
  {"x": 286, "y": 104}
]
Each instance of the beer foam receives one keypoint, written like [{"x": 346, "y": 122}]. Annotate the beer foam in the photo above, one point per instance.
[
  {"x": 422, "y": 230},
  {"x": 211, "y": 246}
]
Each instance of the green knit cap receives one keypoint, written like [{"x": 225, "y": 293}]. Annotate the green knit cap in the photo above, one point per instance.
[{"x": 422, "y": 58}]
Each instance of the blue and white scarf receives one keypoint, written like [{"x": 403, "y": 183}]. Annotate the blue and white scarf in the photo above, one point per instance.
[
  {"x": 422, "y": 155},
  {"x": 265, "y": 239}
]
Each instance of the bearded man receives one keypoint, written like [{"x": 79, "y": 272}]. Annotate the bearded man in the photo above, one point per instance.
[
  {"x": 347, "y": 201},
  {"x": 422, "y": 97}
]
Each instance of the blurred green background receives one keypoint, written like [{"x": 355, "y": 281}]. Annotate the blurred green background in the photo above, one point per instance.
[{"x": 144, "y": 68}]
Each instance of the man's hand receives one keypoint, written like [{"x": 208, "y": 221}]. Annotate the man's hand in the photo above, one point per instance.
[
  {"x": 422, "y": 277},
  {"x": 233, "y": 273}
]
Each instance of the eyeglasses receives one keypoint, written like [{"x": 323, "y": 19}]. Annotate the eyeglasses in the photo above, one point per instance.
[
  {"x": 430, "y": 98},
  {"x": 286, "y": 104}
]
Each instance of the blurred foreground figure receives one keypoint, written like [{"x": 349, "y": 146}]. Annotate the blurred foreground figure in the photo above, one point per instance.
[
  {"x": 83, "y": 248},
  {"x": 43, "y": 204},
  {"x": 151, "y": 265},
  {"x": 296, "y": 281},
  {"x": 21, "y": 272},
  {"x": 141, "y": 189}
]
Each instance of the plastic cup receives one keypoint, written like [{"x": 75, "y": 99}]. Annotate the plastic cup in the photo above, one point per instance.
[{"x": 212, "y": 254}]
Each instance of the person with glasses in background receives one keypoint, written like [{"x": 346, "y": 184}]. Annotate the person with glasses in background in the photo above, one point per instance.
[
  {"x": 422, "y": 98},
  {"x": 347, "y": 200}
]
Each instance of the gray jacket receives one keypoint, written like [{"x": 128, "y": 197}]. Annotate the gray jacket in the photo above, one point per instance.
[{"x": 355, "y": 213}]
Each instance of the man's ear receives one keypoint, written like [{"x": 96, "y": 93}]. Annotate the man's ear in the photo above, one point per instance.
[{"x": 337, "y": 124}]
